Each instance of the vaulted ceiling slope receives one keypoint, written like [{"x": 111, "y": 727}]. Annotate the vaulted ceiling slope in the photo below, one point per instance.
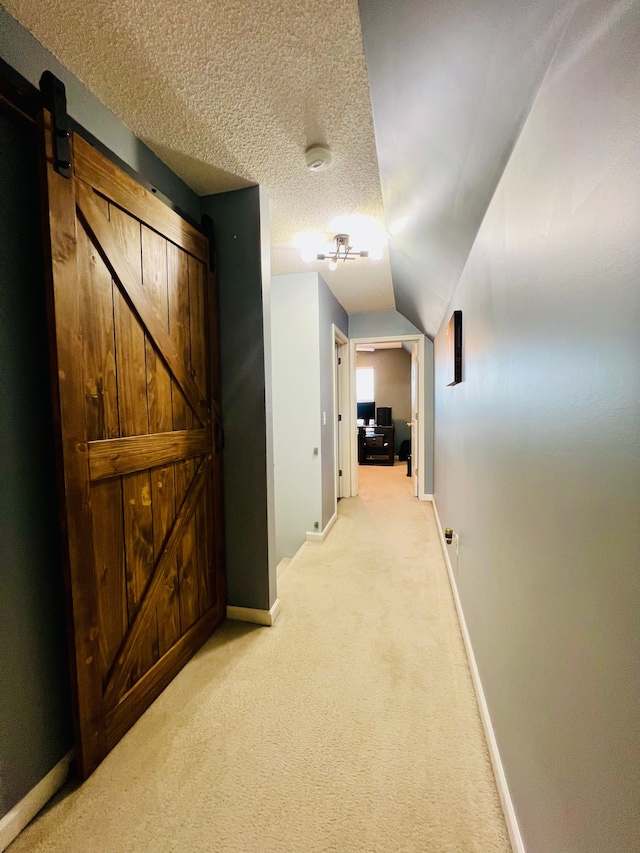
[
  {"x": 230, "y": 93},
  {"x": 452, "y": 83}
]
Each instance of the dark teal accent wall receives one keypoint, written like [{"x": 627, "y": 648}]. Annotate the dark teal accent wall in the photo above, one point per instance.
[
  {"x": 244, "y": 343},
  {"x": 35, "y": 715}
]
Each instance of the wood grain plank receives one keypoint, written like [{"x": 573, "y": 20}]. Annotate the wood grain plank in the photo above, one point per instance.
[
  {"x": 127, "y": 275},
  {"x": 129, "y": 454},
  {"x": 154, "y": 281},
  {"x": 180, "y": 328},
  {"x": 102, "y": 422},
  {"x": 145, "y": 617},
  {"x": 163, "y": 487},
  {"x": 63, "y": 310},
  {"x": 96, "y": 305},
  {"x": 198, "y": 332},
  {"x": 208, "y": 593},
  {"x": 134, "y": 420},
  {"x": 109, "y": 567},
  {"x": 94, "y": 168}
]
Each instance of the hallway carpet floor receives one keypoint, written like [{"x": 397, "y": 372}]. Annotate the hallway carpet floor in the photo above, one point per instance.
[{"x": 351, "y": 726}]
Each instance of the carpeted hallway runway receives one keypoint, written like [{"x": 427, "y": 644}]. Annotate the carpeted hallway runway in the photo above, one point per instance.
[{"x": 351, "y": 725}]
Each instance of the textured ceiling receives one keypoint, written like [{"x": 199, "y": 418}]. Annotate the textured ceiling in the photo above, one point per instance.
[{"x": 230, "y": 94}]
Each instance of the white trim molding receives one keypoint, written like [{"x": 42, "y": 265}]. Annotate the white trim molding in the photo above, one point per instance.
[
  {"x": 19, "y": 816},
  {"x": 498, "y": 770},
  {"x": 425, "y": 497},
  {"x": 254, "y": 615},
  {"x": 320, "y": 537},
  {"x": 341, "y": 399},
  {"x": 351, "y": 421}
]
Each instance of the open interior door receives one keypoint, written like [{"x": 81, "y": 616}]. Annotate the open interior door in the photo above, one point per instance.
[{"x": 129, "y": 297}]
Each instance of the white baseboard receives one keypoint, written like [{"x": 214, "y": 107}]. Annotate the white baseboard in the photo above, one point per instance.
[
  {"x": 254, "y": 615},
  {"x": 424, "y": 497},
  {"x": 320, "y": 537},
  {"x": 15, "y": 820},
  {"x": 498, "y": 770}
]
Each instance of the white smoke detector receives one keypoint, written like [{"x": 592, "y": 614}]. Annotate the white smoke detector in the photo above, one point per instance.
[{"x": 318, "y": 158}]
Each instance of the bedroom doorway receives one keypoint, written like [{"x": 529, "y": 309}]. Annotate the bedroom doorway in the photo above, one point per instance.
[{"x": 397, "y": 421}]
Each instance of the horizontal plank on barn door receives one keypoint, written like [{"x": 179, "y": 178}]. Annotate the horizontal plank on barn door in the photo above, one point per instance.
[
  {"x": 119, "y": 456},
  {"x": 94, "y": 168},
  {"x": 128, "y": 277}
]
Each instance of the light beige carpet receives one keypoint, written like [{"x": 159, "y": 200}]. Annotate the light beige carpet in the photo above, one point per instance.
[{"x": 351, "y": 725}]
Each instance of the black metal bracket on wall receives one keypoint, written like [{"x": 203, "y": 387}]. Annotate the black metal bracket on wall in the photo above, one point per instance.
[{"x": 54, "y": 97}]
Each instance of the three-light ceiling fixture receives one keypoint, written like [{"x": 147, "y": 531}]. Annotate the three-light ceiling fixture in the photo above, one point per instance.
[
  {"x": 342, "y": 251},
  {"x": 358, "y": 237}
]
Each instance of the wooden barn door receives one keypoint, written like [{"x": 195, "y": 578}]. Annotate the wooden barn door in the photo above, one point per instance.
[{"x": 130, "y": 310}]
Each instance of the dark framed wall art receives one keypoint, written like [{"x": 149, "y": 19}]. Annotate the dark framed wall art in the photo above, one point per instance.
[{"x": 454, "y": 349}]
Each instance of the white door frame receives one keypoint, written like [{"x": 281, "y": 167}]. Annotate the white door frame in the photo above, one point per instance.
[
  {"x": 416, "y": 377},
  {"x": 341, "y": 398},
  {"x": 352, "y": 419}
]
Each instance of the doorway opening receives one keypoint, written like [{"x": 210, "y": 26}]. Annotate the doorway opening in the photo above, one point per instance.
[{"x": 385, "y": 439}]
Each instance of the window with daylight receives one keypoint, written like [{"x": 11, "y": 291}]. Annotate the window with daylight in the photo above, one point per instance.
[{"x": 364, "y": 385}]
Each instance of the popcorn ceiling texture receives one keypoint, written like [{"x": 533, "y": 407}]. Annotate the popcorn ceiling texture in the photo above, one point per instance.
[
  {"x": 230, "y": 94},
  {"x": 351, "y": 726}
]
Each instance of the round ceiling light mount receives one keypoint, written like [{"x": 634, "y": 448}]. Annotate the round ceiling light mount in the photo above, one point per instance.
[{"x": 318, "y": 158}]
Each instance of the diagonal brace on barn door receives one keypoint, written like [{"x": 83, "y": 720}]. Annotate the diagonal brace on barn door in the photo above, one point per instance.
[
  {"x": 126, "y": 656},
  {"x": 128, "y": 280}
]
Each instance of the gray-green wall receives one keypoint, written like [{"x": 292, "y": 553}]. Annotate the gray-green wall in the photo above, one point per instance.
[
  {"x": 245, "y": 344},
  {"x": 35, "y": 715},
  {"x": 538, "y": 450}
]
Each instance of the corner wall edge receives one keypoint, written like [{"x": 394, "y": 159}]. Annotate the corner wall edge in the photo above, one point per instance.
[
  {"x": 320, "y": 537},
  {"x": 254, "y": 614}
]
